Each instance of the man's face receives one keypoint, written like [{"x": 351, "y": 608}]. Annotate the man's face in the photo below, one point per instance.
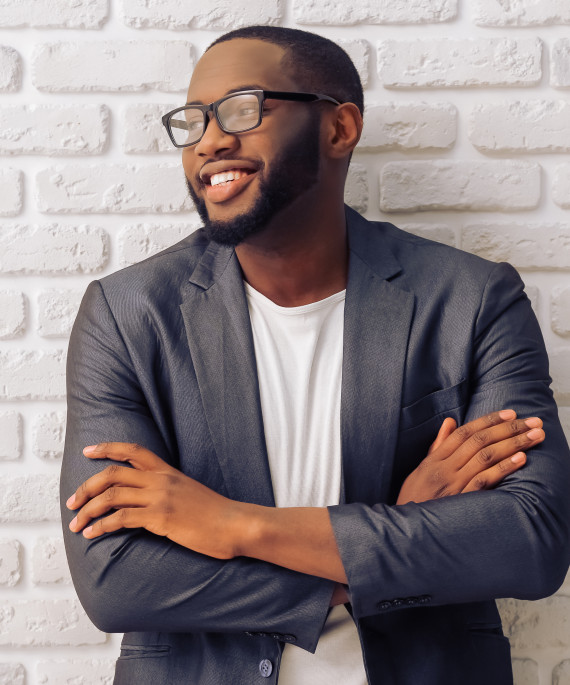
[{"x": 278, "y": 161}]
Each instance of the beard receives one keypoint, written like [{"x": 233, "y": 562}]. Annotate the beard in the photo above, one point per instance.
[{"x": 295, "y": 171}]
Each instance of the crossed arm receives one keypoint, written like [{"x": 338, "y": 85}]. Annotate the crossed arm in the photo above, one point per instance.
[{"x": 156, "y": 496}]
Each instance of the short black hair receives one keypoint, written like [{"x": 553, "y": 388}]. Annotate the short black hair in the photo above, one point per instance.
[{"x": 318, "y": 64}]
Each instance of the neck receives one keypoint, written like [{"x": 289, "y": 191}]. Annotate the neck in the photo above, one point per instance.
[{"x": 301, "y": 257}]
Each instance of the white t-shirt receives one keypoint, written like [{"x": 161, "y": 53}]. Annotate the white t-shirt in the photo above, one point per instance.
[{"x": 299, "y": 366}]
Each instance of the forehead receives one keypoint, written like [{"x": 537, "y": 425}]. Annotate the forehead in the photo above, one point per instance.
[{"x": 237, "y": 63}]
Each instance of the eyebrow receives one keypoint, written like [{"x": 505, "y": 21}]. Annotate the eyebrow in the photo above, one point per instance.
[{"x": 254, "y": 86}]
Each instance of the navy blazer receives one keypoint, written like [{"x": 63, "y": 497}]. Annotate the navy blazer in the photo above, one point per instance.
[{"x": 162, "y": 354}]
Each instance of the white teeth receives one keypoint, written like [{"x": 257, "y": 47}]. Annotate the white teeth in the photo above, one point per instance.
[{"x": 225, "y": 177}]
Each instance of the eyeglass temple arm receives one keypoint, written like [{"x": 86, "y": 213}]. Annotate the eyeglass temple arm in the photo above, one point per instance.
[{"x": 300, "y": 97}]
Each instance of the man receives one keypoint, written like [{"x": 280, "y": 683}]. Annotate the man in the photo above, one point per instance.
[{"x": 274, "y": 382}]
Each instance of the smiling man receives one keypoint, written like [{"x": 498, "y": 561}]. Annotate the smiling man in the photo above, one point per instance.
[{"x": 260, "y": 483}]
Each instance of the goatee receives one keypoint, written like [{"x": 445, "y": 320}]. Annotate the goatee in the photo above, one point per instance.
[{"x": 294, "y": 171}]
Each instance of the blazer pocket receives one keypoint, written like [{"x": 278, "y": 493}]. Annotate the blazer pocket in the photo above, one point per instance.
[
  {"x": 143, "y": 651},
  {"x": 435, "y": 404}
]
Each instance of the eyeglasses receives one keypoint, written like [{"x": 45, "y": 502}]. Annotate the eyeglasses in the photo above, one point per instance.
[{"x": 235, "y": 113}]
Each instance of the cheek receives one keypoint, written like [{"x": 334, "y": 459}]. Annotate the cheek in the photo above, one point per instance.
[{"x": 188, "y": 162}]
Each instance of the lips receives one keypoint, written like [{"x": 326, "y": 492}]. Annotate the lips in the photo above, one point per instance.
[{"x": 225, "y": 179}]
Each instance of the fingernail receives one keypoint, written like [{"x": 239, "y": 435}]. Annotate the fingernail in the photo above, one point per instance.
[
  {"x": 534, "y": 434},
  {"x": 70, "y": 502},
  {"x": 507, "y": 414},
  {"x": 89, "y": 449},
  {"x": 518, "y": 458},
  {"x": 533, "y": 422},
  {"x": 73, "y": 523},
  {"x": 87, "y": 531}
]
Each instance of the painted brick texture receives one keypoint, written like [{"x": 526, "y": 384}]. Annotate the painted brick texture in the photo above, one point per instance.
[{"x": 466, "y": 141}]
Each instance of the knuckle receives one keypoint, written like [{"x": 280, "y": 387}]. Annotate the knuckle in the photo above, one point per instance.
[
  {"x": 485, "y": 456},
  {"x": 112, "y": 471},
  {"x": 479, "y": 483},
  {"x": 516, "y": 426},
  {"x": 135, "y": 447},
  {"x": 503, "y": 466},
  {"x": 480, "y": 437},
  {"x": 110, "y": 494},
  {"x": 463, "y": 432}
]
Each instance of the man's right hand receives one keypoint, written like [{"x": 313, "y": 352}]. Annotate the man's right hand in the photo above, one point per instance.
[{"x": 476, "y": 456}]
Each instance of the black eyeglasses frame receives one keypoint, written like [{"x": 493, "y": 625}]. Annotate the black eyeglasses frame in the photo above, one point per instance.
[{"x": 261, "y": 95}]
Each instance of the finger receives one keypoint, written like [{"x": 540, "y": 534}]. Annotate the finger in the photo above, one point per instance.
[
  {"x": 123, "y": 518},
  {"x": 446, "y": 429},
  {"x": 136, "y": 455},
  {"x": 493, "y": 454},
  {"x": 483, "y": 443},
  {"x": 491, "y": 477},
  {"x": 463, "y": 433},
  {"x": 113, "y": 498},
  {"x": 113, "y": 475}
]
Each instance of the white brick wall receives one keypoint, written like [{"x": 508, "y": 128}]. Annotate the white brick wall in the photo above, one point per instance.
[{"x": 466, "y": 141}]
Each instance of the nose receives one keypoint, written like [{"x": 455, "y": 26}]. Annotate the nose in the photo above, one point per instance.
[{"x": 215, "y": 140}]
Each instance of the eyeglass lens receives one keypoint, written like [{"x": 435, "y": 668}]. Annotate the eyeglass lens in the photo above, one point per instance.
[{"x": 236, "y": 113}]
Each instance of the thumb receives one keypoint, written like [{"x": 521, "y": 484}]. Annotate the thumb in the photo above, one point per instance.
[{"x": 446, "y": 429}]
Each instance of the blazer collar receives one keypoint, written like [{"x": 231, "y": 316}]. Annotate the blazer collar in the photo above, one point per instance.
[{"x": 376, "y": 327}]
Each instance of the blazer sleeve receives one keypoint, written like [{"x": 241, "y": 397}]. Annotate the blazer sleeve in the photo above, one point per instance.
[
  {"x": 512, "y": 541},
  {"x": 133, "y": 580}
]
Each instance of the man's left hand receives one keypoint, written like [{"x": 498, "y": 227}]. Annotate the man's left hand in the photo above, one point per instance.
[{"x": 155, "y": 496}]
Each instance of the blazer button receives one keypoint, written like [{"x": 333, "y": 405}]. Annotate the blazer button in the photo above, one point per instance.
[
  {"x": 265, "y": 668},
  {"x": 384, "y": 605},
  {"x": 289, "y": 638}
]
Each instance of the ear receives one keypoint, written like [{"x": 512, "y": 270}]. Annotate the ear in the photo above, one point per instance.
[{"x": 344, "y": 130}]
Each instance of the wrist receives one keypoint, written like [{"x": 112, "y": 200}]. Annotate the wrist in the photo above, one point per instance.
[{"x": 245, "y": 529}]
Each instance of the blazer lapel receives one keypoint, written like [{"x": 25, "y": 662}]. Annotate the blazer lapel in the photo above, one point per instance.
[
  {"x": 219, "y": 335},
  {"x": 378, "y": 316}
]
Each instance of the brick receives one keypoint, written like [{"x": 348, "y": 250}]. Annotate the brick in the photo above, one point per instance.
[
  {"x": 12, "y": 314},
  {"x": 10, "y": 69},
  {"x": 359, "y": 53},
  {"x": 428, "y": 185},
  {"x": 142, "y": 130},
  {"x": 48, "y": 435},
  {"x": 540, "y": 624},
  {"x": 12, "y": 674},
  {"x": 522, "y": 126},
  {"x": 207, "y": 14},
  {"x": 47, "y": 14},
  {"x": 107, "y": 188},
  {"x": 525, "y": 246},
  {"x": 402, "y": 126},
  {"x": 521, "y": 12},
  {"x": 560, "y": 310},
  {"x": 76, "y": 672},
  {"x": 112, "y": 66},
  {"x": 49, "y": 562},
  {"x": 46, "y": 623},
  {"x": 560, "y": 63},
  {"x": 441, "y": 233},
  {"x": 10, "y": 564},
  {"x": 561, "y": 673},
  {"x": 525, "y": 672},
  {"x": 56, "y": 312},
  {"x": 139, "y": 241},
  {"x": 11, "y": 432},
  {"x": 52, "y": 249},
  {"x": 448, "y": 63},
  {"x": 11, "y": 195},
  {"x": 29, "y": 499},
  {"x": 53, "y": 129},
  {"x": 560, "y": 371},
  {"x": 561, "y": 186},
  {"x": 35, "y": 375},
  {"x": 356, "y": 189},
  {"x": 373, "y": 12}
]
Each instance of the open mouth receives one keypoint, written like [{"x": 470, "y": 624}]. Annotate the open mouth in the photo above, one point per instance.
[{"x": 224, "y": 185}]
